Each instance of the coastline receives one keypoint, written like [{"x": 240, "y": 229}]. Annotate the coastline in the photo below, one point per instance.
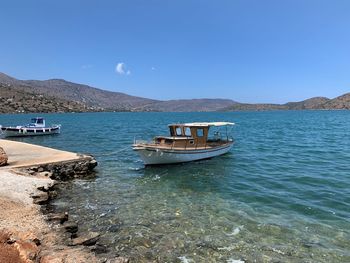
[{"x": 27, "y": 232}]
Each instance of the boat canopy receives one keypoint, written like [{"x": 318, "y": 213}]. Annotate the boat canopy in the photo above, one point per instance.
[
  {"x": 203, "y": 124},
  {"x": 36, "y": 122},
  {"x": 36, "y": 119}
]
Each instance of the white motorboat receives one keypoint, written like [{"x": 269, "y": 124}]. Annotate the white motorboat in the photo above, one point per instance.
[
  {"x": 35, "y": 128},
  {"x": 187, "y": 142}
]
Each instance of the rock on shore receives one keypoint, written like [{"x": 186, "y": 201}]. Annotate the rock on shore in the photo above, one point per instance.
[{"x": 3, "y": 157}]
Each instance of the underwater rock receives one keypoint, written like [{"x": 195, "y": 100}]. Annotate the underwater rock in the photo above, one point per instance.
[
  {"x": 87, "y": 239},
  {"x": 118, "y": 260},
  {"x": 114, "y": 228},
  {"x": 100, "y": 249},
  {"x": 70, "y": 227},
  {"x": 60, "y": 217}
]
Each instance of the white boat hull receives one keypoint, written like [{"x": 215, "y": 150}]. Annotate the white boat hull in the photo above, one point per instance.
[
  {"x": 20, "y": 132},
  {"x": 153, "y": 156}
]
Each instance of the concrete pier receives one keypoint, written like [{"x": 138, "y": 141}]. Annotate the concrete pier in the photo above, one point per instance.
[
  {"x": 55, "y": 164},
  {"x": 24, "y": 154}
]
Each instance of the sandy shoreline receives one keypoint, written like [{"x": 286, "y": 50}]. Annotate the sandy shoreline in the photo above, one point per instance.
[{"x": 26, "y": 234}]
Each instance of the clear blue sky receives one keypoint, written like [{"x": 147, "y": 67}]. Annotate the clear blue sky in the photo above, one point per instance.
[{"x": 245, "y": 50}]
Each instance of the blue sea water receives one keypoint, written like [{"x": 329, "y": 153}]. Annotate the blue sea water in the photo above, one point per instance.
[{"x": 281, "y": 195}]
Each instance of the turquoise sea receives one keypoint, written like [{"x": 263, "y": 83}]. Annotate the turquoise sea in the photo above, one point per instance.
[{"x": 281, "y": 195}]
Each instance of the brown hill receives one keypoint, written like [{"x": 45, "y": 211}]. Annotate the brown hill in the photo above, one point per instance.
[
  {"x": 309, "y": 104},
  {"x": 316, "y": 103},
  {"x": 189, "y": 105},
  {"x": 254, "y": 107},
  {"x": 61, "y": 95},
  {"x": 91, "y": 97},
  {"x": 98, "y": 99},
  {"x": 341, "y": 102},
  {"x": 14, "y": 100}
]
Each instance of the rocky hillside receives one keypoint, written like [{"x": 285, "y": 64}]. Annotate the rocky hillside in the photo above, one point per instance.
[
  {"x": 91, "y": 98},
  {"x": 188, "y": 105},
  {"x": 341, "y": 102},
  {"x": 13, "y": 100},
  {"x": 316, "y": 103},
  {"x": 57, "y": 95},
  {"x": 309, "y": 104}
]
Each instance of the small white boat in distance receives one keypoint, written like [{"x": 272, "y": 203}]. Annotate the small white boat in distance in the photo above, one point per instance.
[
  {"x": 34, "y": 128},
  {"x": 187, "y": 142}
]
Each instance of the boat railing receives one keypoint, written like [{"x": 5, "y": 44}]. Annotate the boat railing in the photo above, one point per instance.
[{"x": 136, "y": 141}]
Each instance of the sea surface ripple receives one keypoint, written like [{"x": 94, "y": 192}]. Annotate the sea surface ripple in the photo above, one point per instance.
[{"x": 281, "y": 195}]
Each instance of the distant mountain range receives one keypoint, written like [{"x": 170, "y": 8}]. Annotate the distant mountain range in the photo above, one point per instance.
[
  {"x": 85, "y": 98},
  {"x": 315, "y": 103},
  {"x": 58, "y": 95}
]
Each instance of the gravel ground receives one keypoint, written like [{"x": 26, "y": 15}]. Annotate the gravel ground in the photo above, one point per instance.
[{"x": 18, "y": 188}]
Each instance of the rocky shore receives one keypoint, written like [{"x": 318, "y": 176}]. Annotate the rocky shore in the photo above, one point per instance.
[{"x": 28, "y": 231}]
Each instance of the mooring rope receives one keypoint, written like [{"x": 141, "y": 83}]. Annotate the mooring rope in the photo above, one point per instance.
[{"x": 114, "y": 152}]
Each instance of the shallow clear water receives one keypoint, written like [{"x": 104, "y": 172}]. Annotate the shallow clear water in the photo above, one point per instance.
[{"x": 281, "y": 195}]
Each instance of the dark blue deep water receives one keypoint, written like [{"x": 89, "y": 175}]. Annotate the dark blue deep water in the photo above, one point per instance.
[{"x": 281, "y": 195}]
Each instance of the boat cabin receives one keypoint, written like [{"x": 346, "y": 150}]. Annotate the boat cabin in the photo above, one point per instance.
[
  {"x": 193, "y": 135},
  {"x": 37, "y": 122}
]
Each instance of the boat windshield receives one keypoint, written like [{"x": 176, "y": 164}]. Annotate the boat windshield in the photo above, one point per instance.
[
  {"x": 37, "y": 121},
  {"x": 220, "y": 133}
]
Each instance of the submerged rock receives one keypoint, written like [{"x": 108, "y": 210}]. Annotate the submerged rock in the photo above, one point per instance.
[
  {"x": 100, "y": 249},
  {"x": 88, "y": 239},
  {"x": 60, "y": 217},
  {"x": 118, "y": 260},
  {"x": 114, "y": 228},
  {"x": 70, "y": 227}
]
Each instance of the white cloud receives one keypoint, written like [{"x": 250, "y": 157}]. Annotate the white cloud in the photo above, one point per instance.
[
  {"x": 121, "y": 69},
  {"x": 87, "y": 66},
  {"x": 153, "y": 68}
]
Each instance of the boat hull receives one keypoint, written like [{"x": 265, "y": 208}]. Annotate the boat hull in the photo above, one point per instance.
[
  {"x": 156, "y": 156},
  {"x": 20, "y": 132}
]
